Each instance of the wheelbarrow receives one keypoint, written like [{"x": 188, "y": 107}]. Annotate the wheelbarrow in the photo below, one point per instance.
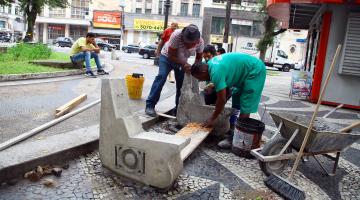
[{"x": 325, "y": 139}]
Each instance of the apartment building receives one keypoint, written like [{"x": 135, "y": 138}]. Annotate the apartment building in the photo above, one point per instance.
[
  {"x": 144, "y": 19},
  {"x": 246, "y": 25},
  {"x": 73, "y": 21},
  {"x": 11, "y": 20}
]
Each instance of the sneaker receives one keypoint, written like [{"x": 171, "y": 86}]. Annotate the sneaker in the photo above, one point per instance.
[
  {"x": 150, "y": 111},
  {"x": 90, "y": 74},
  {"x": 226, "y": 143},
  {"x": 102, "y": 72}
]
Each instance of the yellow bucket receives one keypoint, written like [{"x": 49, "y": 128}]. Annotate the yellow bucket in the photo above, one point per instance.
[{"x": 134, "y": 84}]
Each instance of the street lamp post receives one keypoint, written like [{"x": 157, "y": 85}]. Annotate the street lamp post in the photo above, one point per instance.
[
  {"x": 122, "y": 26},
  {"x": 166, "y": 13}
]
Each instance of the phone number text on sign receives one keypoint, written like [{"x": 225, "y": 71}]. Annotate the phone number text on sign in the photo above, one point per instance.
[{"x": 151, "y": 25}]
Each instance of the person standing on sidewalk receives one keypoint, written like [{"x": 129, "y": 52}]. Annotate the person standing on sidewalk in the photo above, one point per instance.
[
  {"x": 164, "y": 38},
  {"x": 243, "y": 73},
  {"x": 182, "y": 44},
  {"x": 84, "y": 49}
]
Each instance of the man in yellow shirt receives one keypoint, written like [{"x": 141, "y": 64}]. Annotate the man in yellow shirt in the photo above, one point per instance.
[{"x": 84, "y": 49}]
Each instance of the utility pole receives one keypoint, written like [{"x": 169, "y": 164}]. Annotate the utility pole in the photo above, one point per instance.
[
  {"x": 227, "y": 26},
  {"x": 122, "y": 26},
  {"x": 166, "y": 12}
]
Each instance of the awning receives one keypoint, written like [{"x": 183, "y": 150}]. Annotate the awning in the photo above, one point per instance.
[
  {"x": 106, "y": 31},
  {"x": 82, "y": 22},
  {"x": 297, "y": 14}
]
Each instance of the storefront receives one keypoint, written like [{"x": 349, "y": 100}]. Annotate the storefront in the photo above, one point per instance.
[
  {"x": 330, "y": 23},
  {"x": 107, "y": 25}
]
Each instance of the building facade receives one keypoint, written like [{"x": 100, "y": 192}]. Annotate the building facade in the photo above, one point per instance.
[
  {"x": 144, "y": 19},
  {"x": 11, "y": 20},
  {"x": 246, "y": 25},
  {"x": 73, "y": 21}
]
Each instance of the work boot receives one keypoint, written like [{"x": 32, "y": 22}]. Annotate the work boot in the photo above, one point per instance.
[
  {"x": 227, "y": 142},
  {"x": 150, "y": 111}
]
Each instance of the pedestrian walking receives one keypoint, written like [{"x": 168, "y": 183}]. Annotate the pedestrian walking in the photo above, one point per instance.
[
  {"x": 174, "y": 55},
  {"x": 85, "y": 49}
]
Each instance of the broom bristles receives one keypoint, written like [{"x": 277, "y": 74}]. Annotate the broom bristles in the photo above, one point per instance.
[{"x": 284, "y": 188}]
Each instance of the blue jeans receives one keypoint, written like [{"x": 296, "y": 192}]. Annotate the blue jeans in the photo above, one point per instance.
[
  {"x": 87, "y": 56},
  {"x": 165, "y": 66}
]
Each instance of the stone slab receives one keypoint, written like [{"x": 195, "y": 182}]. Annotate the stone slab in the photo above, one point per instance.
[{"x": 58, "y": 64}]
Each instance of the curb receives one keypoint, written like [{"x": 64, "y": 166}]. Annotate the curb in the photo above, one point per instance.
[
  {"x": 68, "y": 147},
  {"x": 18, "y": 77},
  {"x": 43, "y": 75}
]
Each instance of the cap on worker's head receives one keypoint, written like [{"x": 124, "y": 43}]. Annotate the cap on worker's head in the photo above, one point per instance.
[{"x": 190, "y": 34}]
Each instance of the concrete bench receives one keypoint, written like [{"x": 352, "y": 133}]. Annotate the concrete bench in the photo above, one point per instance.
[
  {"x": 58, "y": 64},
  {"x": 125, "y": 148},
  {"x": 192, "y": 107}
]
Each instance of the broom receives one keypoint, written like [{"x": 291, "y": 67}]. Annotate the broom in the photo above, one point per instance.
[{"x": 282, "y": 186}]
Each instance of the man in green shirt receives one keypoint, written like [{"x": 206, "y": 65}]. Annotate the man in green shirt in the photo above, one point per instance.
[
  {"x": 244, "y": 73},
  {"x": 84, "y": 49}
]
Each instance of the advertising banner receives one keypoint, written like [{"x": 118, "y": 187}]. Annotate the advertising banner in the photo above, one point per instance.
[
  {"x": 153, "y": 25},
  {"x": 107, "y": 19},
  {"x": 301, "y": 84}
]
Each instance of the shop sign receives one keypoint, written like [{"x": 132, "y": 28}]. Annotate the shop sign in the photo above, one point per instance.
[
  {"x": 301, "y": 83},
  {"x": 58, "y": 28},
  {"x": 153, "y": 25},
  {"x": 107, "y": 19},
  {"x": 218, "y": 39}
]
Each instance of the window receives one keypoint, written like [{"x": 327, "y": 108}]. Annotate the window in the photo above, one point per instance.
[
  {"x": 196, "y": 10},
  {"x": 56, "y": 30},
  {"x": 9, "y": 9},
  {"x": 217, "y": 25},
  {"x": 41, "y": 32},
  {"x": 77, "y": 31},
  {"x": 160, "y": 7},
  {"x": 184, "y": 9},
  {"x": 2, "y": 9},
  {"x": 258, "y": 29},
  {"x": 138, "y": 0},
  {"x": 57, "y": 12},
  {"x": 2, "y": 24},
  {"x": 17, "y": 10},
  {"x": 282, "y": 54},
  {"x": 148, "y": 1},
  {"x": 79, "y": 8},
  {"x": 147, "y": 11},
  {"x": 138, "y": 10}
]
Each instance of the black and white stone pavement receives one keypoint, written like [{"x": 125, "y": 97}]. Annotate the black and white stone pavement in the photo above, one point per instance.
[{"x": 209, "y": 173}]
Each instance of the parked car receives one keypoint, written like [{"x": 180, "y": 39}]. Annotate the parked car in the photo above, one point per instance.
[
  {"x": 148, "y": 51},
  {"x": 64, "y": 42},
  {"x": 131, "y": 48},
  {"x": 104, "y": 45}
]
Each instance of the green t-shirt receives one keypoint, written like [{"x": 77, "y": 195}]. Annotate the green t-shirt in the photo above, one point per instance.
[
  {"x": 81, "y": 42},
  {"x": 232, "y": 69}
]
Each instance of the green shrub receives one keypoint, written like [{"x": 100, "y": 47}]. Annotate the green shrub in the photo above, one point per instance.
[{"x": 25, "y": 51}]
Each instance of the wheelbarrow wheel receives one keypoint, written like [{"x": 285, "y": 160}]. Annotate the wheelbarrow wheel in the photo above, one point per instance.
[{"x": 273, "y": 147}]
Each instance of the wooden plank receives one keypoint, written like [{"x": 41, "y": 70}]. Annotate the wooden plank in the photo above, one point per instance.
[
  {"x": 196, "y": 133},
  {"x": 62, "y": 110}
]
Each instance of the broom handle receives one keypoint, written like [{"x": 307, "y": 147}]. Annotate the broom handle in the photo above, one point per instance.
[
  {"x": 346, "y": 129},
  {"x": 315, "y": 113}
]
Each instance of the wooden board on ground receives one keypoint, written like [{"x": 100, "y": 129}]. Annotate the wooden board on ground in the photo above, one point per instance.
[
  {"x": 196, "y": 133},
  {"x": 165, "y": 115},
  {"x": 66, "y": 108}
]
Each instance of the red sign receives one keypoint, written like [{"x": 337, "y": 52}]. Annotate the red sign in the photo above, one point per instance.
[{"x": 107, "y": 19}]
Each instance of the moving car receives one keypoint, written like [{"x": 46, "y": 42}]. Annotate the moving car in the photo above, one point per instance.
[
  {"x": 104, "y": 45},
  {"x": 64, "y": 42},
  {"x": 131, "y": 48},
  {"x": 148, "y": 51}
]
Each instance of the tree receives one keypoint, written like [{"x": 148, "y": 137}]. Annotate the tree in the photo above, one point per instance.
[
  {"x": 270, "y": 24},
  {"x": 32, "y": 8},
  {"x": 5, "y": 2}
]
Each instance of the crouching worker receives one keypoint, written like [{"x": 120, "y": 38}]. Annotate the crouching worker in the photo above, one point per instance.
[
  {"x": 85, "y": 49},
  {"x": 243, "y": 73}
]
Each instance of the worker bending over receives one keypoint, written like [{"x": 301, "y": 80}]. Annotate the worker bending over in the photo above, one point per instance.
[{"x": 243, "y": 73}]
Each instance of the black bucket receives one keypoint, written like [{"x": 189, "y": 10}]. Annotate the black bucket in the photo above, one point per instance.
[{"x": 247, "y": 136}]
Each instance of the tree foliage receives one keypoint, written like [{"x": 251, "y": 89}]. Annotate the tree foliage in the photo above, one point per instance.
[
  {"x": 270, "y": 24},
  {"x": 32, "y": 8}
]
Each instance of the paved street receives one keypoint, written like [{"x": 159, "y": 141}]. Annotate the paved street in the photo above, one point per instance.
[{"x": 209, "y": 173}]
